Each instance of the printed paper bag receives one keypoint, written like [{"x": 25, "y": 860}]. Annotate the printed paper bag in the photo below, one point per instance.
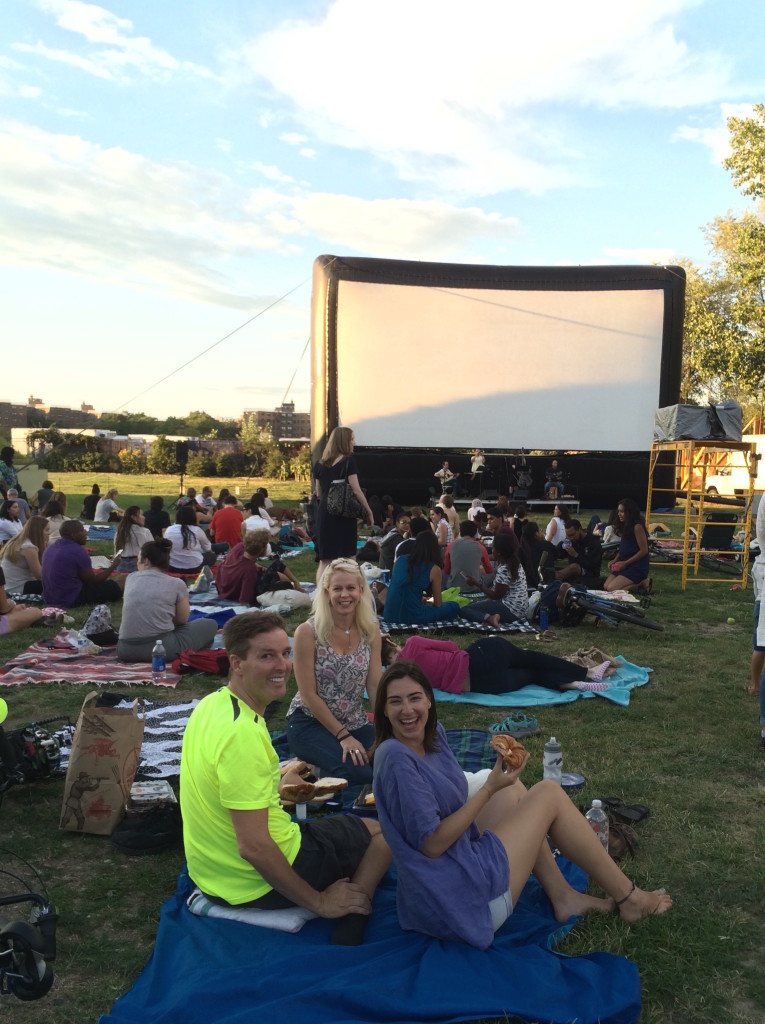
[{"x": 102, "y": 766}]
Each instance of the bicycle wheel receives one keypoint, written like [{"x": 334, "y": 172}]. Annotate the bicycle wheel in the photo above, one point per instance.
[
  {"x": 718, "y": 563},
  {"x": 603, "y": 610}
]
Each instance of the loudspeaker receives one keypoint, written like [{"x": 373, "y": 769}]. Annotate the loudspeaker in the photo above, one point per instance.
[
  {"x": 490, "y": 496},
  {"x": 182, "y": 453}
]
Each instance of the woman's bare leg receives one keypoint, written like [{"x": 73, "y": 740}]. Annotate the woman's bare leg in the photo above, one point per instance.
[
  {"x": 758, "y": 664},
  {"x": 619, "y": 583},
  {"x": 23, "y": 616},
  {"x": 566, "y": 900},
  {"x": 320, "y": 569},
  {"x": 545, "y": 809}
]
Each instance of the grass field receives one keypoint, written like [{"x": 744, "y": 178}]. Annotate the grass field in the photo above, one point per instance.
[
  {"x": 136, "y": 490},
  {"x": 687, "y": 746}
]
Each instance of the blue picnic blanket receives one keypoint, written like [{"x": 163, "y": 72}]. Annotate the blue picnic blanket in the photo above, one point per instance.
[
  {"x": 204, "y": 970},
  {"x": 620, "y": 683}
]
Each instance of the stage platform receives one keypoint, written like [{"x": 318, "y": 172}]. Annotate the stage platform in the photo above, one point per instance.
[{"x": 571, "y": 503}]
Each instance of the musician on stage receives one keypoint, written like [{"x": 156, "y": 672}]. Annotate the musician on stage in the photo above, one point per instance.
[
  {"x": 553, "y": 478},
  {"x": 445, "y": 475}
]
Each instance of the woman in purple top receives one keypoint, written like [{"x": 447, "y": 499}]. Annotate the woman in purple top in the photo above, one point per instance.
[{"x": 463, "y": 860}]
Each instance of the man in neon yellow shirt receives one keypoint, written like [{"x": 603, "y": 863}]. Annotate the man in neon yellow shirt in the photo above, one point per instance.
[{"x": 242, "y": 848}]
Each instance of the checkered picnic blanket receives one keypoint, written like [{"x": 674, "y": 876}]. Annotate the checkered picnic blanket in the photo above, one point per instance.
[{"x": 457, "y": 625}]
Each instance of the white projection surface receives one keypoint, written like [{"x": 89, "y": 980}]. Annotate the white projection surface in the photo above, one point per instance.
[{"x": 454, "y": 367}]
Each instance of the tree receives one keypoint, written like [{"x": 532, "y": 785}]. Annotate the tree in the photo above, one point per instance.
[
  {"x": 724, "y": 349},
  {"x": 201, "y": 424},
  {"x": 162, "y": 458},
  {"x": 256, "y": 444},
  {"x": 747, "y": 160}
]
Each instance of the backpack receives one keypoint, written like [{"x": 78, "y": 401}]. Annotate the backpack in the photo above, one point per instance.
[{"x": 213, "y": 662}]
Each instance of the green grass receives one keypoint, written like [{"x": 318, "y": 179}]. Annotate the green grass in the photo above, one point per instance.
[
  {"x": 136, "y": 490},
  {"x": 686, "y": 746}
]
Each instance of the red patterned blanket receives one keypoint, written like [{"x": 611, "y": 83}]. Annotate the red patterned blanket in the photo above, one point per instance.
[{"x": 56, "y": 661}]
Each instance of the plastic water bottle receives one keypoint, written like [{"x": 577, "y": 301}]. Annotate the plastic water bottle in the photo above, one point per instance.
[
  {"x": 598, "y": 820},
  {"x": 552, "y": 764},
  {"x": 82, "y": 643},
  {"x": 158, "y": 662},
  {"x": 544, "y": 619}
]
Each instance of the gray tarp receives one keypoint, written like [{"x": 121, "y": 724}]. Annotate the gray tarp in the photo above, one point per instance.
[{"x": 698, "y": 422}]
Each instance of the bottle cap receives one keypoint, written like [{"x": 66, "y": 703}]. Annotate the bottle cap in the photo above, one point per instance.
[{"x": 597, "y": 803}]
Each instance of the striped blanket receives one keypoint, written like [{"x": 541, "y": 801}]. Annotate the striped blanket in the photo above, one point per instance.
[{"x": 56, "y": 661}]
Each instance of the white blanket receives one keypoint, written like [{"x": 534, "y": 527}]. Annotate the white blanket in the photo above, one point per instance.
[{"x": 291, "y": 919}]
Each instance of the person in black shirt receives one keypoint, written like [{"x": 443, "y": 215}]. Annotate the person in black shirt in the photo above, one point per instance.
[
  {"x": 156, "y": 519},
  {"x": 584, "y": 552},
  {"x": 89, "y": 503}
]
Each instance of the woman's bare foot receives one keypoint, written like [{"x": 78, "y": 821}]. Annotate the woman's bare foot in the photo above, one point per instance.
[
  {"x": 493, "y": 621},
  {"x": 578, "y": 904},
  {"x": 638, "y": 904}
]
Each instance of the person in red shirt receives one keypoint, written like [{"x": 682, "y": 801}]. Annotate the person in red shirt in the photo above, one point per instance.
[{"x": 226, "y": 524}]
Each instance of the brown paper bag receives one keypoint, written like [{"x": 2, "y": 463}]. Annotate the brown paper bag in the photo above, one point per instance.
[{"x": 102, "y": 766}]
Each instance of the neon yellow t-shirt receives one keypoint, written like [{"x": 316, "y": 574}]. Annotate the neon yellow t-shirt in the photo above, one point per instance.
[{"x": 229, "y": 763}]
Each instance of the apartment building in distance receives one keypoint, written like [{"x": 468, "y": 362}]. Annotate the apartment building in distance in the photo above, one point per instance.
[{"x": 284, "y": 423}]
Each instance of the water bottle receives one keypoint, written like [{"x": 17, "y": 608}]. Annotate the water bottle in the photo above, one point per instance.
[
  {"x": 598, "y": 820},
  {"x": 544, "y": 619},
  {"x": 553, "y": 760},
  {"x": 158, "y": 662},
  {"x": 82, "y": 643}
]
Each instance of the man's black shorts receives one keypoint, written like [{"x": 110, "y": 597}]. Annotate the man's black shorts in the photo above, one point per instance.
[{"x": 331, "y": 848}]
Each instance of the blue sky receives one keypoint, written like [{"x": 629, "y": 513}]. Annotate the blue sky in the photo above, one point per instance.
[{"x": 169, "y": 169}]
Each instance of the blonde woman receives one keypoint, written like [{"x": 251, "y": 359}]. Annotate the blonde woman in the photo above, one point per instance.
[
  {"x": 21, "y": 557},
  {"x": 336, "y": 535},
  {"x": 336, "y": 655}
]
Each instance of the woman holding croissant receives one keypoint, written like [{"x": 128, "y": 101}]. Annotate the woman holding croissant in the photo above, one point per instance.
[{"x": 463, "y": 858}]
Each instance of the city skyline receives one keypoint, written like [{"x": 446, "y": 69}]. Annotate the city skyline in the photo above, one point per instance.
[{"x": 166, "y": 182}]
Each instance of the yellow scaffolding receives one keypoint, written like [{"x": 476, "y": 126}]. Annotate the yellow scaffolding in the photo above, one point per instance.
[{"x": 692, "y": 460}]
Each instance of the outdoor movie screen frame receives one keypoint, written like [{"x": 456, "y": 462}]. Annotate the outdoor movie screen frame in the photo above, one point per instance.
[{"x": 442, "y": 356}]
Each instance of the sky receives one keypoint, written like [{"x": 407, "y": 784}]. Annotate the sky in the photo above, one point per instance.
[{"x": 170, "y": 170}]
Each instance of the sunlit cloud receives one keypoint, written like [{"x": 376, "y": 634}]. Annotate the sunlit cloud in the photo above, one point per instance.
[
  {"x": 473, "y": 111},
  {"x": 113, "y": 215}
]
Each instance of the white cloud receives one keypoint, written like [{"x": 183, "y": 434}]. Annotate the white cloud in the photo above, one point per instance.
[
  {"x": 466, "y": 98},
  {"x": 224, "y": 145},
  {"x": 293, "y": 138},
  {"x": 113, "y": 51},
  {"x": 307, "y": 152},
  {"x": 715, "y": 137},
  {"x": 271, "y": 172},
  {"x": 116, "y": 216},
  {"x": 400, "y": 228}
]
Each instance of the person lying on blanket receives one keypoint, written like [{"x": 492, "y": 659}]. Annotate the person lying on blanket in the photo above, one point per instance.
[
  {"x": 492, "y": 665},
  {"x": 242, "y": 847},
  {"x": 463, "y": 860}
]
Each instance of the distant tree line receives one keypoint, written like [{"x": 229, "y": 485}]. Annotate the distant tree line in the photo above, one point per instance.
[{"x": 255, "y": 454}]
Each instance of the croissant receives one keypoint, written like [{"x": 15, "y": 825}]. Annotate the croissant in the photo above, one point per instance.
[{"x": 509, "y": 749}]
